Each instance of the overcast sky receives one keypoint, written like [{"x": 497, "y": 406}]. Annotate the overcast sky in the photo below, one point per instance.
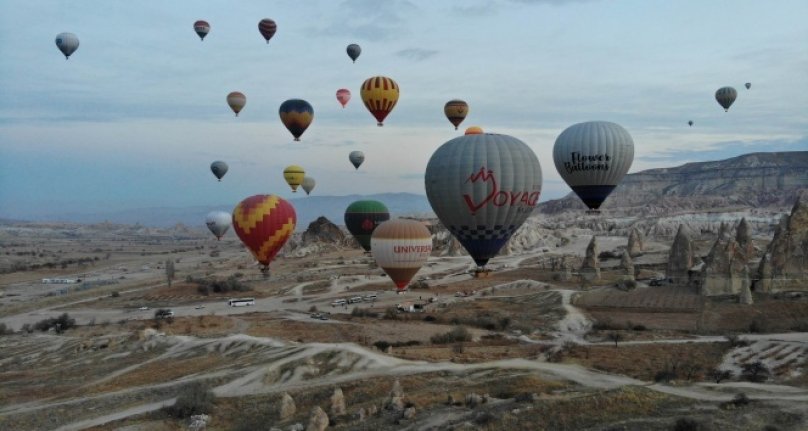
[{"x": 138, "y": 113}]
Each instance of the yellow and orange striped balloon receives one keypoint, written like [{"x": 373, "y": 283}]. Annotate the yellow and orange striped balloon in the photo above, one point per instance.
[
  {"x": 264, "y": 223},
  {"x": 379, "y": 94}
]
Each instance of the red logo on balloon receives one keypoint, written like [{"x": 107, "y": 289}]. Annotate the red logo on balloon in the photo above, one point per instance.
[
  {"x": 367, "y": 224},
  {"x": 497, "y": 197}
]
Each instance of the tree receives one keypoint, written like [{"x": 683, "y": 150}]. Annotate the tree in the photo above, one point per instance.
[
  {"x": 615, "y": 336},
  {"x": 755, "y": 371},
  {"x": 169, "y": 271},
  {"x": 717, "y": 375}
]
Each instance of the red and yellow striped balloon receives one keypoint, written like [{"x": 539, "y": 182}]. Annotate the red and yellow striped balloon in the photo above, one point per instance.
[
  {"x": 380, "y": 95},
  {"x": 264, "y": 223}
]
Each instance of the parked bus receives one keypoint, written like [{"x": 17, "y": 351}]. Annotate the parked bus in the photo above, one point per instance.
[{"x": 241, "y": 302}]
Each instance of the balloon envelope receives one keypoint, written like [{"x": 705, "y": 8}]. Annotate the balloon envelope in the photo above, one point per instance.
[
  {"x": 725, "y": 96},
  {"x": 343, "y": 96},
  {"x": 296, "y": 115},
  {"x": 356, "y": 158},
  {"x": 308, "y": 184},
  {"x": 474, "y": 130},
  {"x": 690, "y": 123},
  {"x": 353, "y": 51},
  {"x": 218, "y": 222},
  {"x": 264, "y": 223},
  {"x": 202, "y": 28},
  {"x": 294, "y": 174},
  {"x": 482, "y": 188},
  {"x": 68, "y": 43},
  {"x": 401, "y": 247},
  {"x": 267, "y": 28},
  {"x": 219, "y": 168},
  {"x": 236, "y": 100},
  {"x": 456, "y": 111},
  {"x": 593, "y": 157},
  {"x": 380, "y": 95},
  {"x": 362, "y": 218},
  {"x": 748, "y": 85}
]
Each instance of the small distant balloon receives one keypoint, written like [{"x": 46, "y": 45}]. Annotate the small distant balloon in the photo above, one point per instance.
[
  {"x": 343, "y": 96},
  {"x": 294, "y": 174},
  {"x": 236, "y": 100},
  {"x": 218, "y": 222},
  {"x": 353, "y": 51},
  {"x": 748, "y": 85},
  {"x": 456, "y": 111},
  {"x": 68, "y": 43},
  {"x": 474, "y": 130},
  {"x": 219, "y": 168},
  {"x": 725, "y": 97},
  {"x": 202, "y": 28},
  {"x": 690, "y": 123},
  {"x": 380, "y": 95},
  {"x": 308, "y": 184},
  {"x": 356, "y": 158},
  {"x": 267, "y": 27},
  {"x": 296, "y": 115}
]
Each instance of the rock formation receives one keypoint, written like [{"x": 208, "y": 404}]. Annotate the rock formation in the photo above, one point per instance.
[
  {"x": 288, "y": 408},
  {"x": 627, "y": 265},
  {"x": 337, "y": 403},
  {"x": 745, "y": 297},
  {"x": 590, "y": 268},
  {"x": 318, "y": 421},
  {"x": 785, "y": 264},
  {"x": 322, "y": 230},
  {"x": 724, "y": 271},
  {"x": 635, "y": 245},
  {"x": 680, "y": 259},
  {"x": 396, "y": 399}
]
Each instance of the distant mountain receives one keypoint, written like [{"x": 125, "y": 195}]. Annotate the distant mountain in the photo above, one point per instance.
[
  {"x": 749, "y": 181},
  {"x": 308, "y": 209}
]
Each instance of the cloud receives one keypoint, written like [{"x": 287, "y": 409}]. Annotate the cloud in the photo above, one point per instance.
[
  {"x": 478, "y": 10},
  {"x": 417, "y": 54},
  {"x": 371, "y": 19},
  {"x": 552, "y": 2}
]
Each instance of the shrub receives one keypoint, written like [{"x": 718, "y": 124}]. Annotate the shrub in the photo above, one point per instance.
[
  {"x": 4, "y": 330},
  {"x": 717, "y": 375},
  {"x": 755, "y": 371},
  {"x": 363, "y": 312},
  {"x": 735, "y": 341},
  {"x": 457, "y": 334},
  {"x": 194, "y": 399},
  {"x": 381, "y": 345},
  {"x": 60, "y": 324},
  {"x": 740, "y": 400},
  {"x": 686, "y": 424},
  {"x": 313, "y": 309},
  {"x": 115, "y": 294}
]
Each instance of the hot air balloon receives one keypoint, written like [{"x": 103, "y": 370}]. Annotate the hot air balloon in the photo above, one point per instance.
[
  {"x": 267, "y": 27},
  {"x": 401, "y": 247},
  {"x": 68, "y": 43},
  {"x": 725, "y": 96},
  {"x": 343, "y": 96},
  {"x": 748, "y": 85},
  {"x": 202, "y": 28},
  {"x": 308, "y": 184},
  {"x": 218, "y": 222},
  {"x": 296, "y": 115},
  {"x": 592, "y": 158},
  {"x": 456, "y": 111},
  {"x": 482, "y": 188},
  {"x": 353, "y": 51},
  {"x": 474, "y": 130},
  {"x": 219, "y": 168},
  {"x": 356, "y": 158},
  {"x": 362, "y": 217},
  {"x": 264, "y": 223},
  {"x": 236, "y": 100},
  {"x": 294, "y": 174},
  {"x": 690, "y": 123},
  {"x": 380, "y": 95}
]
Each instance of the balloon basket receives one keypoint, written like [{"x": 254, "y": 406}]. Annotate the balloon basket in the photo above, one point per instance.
[
  {"x": 482, "y": 273},
  {"x": 592, "y": 212}
]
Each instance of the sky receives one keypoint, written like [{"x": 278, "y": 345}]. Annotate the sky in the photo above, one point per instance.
[{"x": 137, "y": 114}]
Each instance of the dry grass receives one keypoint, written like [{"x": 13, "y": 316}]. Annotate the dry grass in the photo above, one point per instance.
[
  {"x": 644, "y": 361},
  {"x": 160, "y": 372}
]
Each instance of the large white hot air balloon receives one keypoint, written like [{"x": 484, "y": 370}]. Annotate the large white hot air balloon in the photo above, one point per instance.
[
  {"x": 593, "y": 157},
  {"x": 401, "y": 247},
  {"x": 68, "y": 43},
  {"x": 482, "y": 188},
  {"x": 218, "y": 222}
]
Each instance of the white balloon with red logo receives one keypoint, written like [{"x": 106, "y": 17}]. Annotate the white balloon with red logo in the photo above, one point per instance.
[{"x": 483, "y": 187}]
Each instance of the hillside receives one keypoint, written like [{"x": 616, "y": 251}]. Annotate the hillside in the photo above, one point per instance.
[{"x": 751, "y": 180}]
